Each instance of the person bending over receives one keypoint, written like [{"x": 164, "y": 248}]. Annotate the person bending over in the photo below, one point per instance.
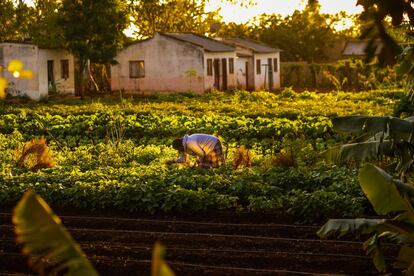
[{"x": 206, "y": 147}]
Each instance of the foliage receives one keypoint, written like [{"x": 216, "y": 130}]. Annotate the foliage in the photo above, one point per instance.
[
  {"x": 347, "y": 74},
  {"x": 95, "y": 34},
  {"x": 303, "y": 35},
  {"x": 284, "y": 159},
  {"x": 44, "y": 29},
  {"x": 7, "y": 31},
  {"x": 96, "y": 170},
  {"x": 13, "y": 21},
  {"x": 49, "y": 246},
  {"x": 388, "y": 197},
  {"x": 172, "y": 16},
  {"x": 378, "y": 137}
]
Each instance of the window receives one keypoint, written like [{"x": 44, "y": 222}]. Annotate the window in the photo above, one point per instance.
[
  {"x": 275, "y": 65},
  {"x": 231, "y": 65},
  {"x": 258, "y": 67},
  {"x": 136, "y": 69},
  {"x": 64, "y": 68},
  {"x": 209, "y": 67}
]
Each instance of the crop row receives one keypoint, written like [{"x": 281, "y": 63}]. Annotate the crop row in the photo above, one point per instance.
[
  {"x": 101, "y": 125},
  {"x": 135, "y": 178},
  {"x": 306, "y": 197}
]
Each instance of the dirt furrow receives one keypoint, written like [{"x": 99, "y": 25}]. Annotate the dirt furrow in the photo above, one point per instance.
[{"x": 122, "y": 246}]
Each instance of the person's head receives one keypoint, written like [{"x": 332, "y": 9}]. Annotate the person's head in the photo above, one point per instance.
[{"x": 178, "y": 144}]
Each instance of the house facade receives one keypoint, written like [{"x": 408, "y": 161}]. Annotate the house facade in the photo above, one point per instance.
[
  {"x": 174, "y": 62},
  {"x": 356, "y": 48},
  {"x": 257, "y": 65},
  {"x": 53, "y": 70}
]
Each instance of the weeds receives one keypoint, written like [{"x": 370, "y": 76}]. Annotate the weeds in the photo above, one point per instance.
[
  {"x": 285, "y": 159},
  {"x": 242, "y": 157},
  {"x": 36, "y": 155}
]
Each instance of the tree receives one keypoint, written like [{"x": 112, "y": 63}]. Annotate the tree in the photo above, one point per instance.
[
  {"x": 14, "y": 20},
  {"x": 302, "y": 35},
  {"x": 92, "y": 32},
  {"x": 172, "y": 16},
  {"x": 232, "y": 29},
  {"x": 44, "y": 29},
  {"x": 6, "y": 20}
]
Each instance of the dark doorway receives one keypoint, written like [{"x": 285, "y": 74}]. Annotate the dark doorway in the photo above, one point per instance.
[
  {"x": 217, "y": 73},
  {"x": 50, "y": 75},
  {"x": 270, "y": 72},
  {"x": 224, "y": 74}
]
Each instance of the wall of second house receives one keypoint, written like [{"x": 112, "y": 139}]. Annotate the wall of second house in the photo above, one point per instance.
[
  {"x": 261, "y": 80},
  {"x": 210, "y": 82},
  {"x": 63, "y": 83},
  {"x": 169, "y": 66},
  {"x": 244, "y": 73},
  {"x": 28, "y": 54}
]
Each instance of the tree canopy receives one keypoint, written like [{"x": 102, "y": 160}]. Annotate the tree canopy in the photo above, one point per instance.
[
  {"x": 152, "y": 16},
  {"x": 303, "y": 35},
  {"x": 92, "y": 30}
]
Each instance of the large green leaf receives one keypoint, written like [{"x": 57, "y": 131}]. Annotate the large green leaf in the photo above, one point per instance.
[
  {"x": 374, "y": 250},
  {"x": 385, "y": 194},
  {"x": 362, "y": 151},
  {"x": 45, "y": 240},
  {"x": 340, "y": 227},
  {"x": 405, "y": 259},
  {"x": 373, "y": 124}
]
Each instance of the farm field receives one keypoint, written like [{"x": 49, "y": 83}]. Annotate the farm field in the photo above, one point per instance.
[{"x": 117, "y": 195}]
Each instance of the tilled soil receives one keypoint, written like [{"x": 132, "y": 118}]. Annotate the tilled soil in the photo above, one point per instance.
[{"x": 122, "y": 246}]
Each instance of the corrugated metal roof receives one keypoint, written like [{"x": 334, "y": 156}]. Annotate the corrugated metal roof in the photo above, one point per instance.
[
  {"x": 208, "y": 44},
  {"x": 357, "y": 48},
  {"x": 255, "y": 46}
]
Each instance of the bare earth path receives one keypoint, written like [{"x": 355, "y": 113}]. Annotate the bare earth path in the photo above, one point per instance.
[{"x": 122, "y": 246}]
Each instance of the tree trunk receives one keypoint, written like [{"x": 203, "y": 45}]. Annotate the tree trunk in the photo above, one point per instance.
[{"x": 80, "y": 77}]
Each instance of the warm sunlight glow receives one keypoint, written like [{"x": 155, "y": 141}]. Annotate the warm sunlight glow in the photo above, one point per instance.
[
  {"x": 16, "y": 74},
  {"x": 232, "y": 13}
]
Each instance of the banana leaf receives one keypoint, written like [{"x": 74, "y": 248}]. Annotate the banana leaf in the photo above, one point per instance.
[
  {"x": 45, "y": 240},
  {"x": 405, "y": 259},
  {"x": 385, "y": 194},
  {"x": 373, "y": 124},
  {"x": 340, "y": 227},
  {"x": 362, "y": 151},
  {"x": 374, "y": 250}
]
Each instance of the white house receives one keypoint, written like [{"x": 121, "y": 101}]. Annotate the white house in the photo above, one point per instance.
[
  {"x": 174, "y": 62},
  {"x": 257, "y": 65},
  {"x": 53, "y": 70}
]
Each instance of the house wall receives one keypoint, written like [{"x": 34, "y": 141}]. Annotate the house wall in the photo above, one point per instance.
[
  {"x": 261, "y": 81},
  {"x": 242, "y": 74},
  {"x": 167, "y": 65},
  {"x": 63, "y": 86},
  {"x": 28, "y": 54},
  {"x": 231, "y": 78}
]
